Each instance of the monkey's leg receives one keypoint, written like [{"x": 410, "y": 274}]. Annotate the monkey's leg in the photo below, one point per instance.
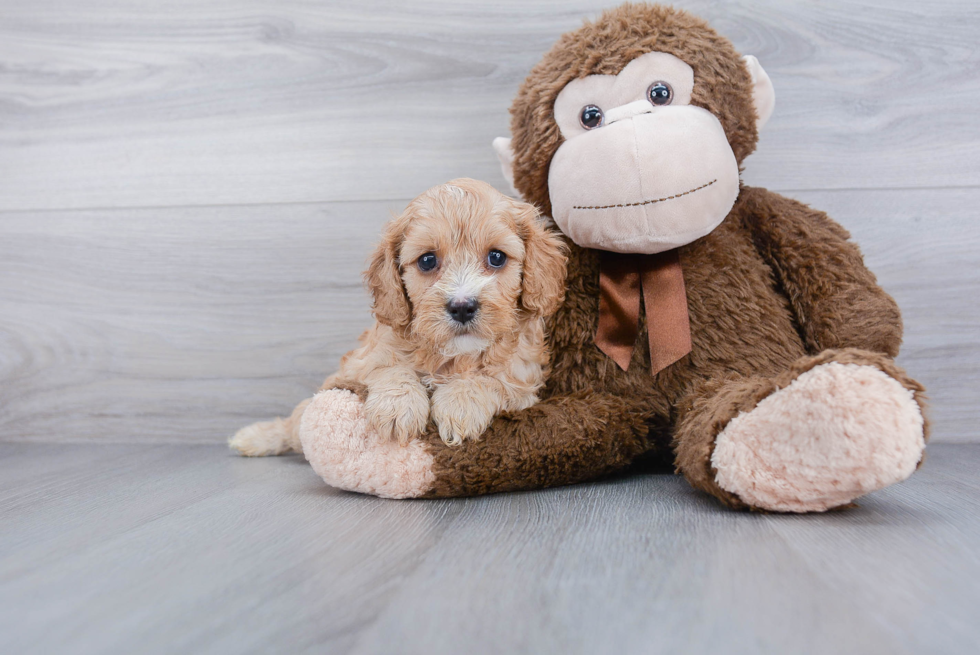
[
  {"x": 558, "y": 441},
  {"x": 830, "y": 429},
  {"x": 275, "y": 437}
]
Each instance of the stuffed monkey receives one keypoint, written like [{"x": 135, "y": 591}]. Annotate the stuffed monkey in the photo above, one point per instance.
[{"x": 727, "y": 328}]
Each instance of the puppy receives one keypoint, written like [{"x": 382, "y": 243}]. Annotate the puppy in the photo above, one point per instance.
[{"x": 462, "y": 282}]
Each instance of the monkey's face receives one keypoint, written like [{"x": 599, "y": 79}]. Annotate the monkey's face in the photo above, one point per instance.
[{"x": 641, "y": 170}]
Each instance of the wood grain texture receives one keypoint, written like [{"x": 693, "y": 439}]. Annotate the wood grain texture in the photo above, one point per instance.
[
  {"x": 203, "y": 102},
  {"x": 181, "y": 324},
  {"x": 162, "y": 549},
  {"x": 185, "y": 324},
  {"x": 189, "y": 189}
]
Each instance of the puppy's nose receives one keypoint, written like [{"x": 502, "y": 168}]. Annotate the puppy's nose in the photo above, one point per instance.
[{"x": 463, "y": 311}]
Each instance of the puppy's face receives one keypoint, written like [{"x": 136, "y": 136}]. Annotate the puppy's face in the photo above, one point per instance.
[
  {"x": 469, "y": 262},
  {"x": 461, "y": 262}
]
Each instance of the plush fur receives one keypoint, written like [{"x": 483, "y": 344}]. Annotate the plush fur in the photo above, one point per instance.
[
  {"x": 776, "y": 293},
  {"x": 749, "y": 339},
  {"x": 474, "y": 370},
  {"x": 835, "y": 417},
  {"x": 604, "y": 47},
  {"x": 347, "y": 454}
]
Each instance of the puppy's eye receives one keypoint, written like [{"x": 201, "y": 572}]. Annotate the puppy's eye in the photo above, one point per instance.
[
  {"x": 496, "y": 259},
  {"x": 427, "y": 262},
  {"x": 591, "y": 117}
]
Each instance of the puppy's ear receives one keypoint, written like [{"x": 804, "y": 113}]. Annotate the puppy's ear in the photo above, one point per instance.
[
  {"x": 383, "y": 277},
  {"x": 543, "y": 286}
]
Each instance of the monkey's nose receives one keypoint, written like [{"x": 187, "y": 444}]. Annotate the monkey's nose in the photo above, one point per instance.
[
  {"x": 627, "y": 111},
  {"x": 463, "y": 311}
]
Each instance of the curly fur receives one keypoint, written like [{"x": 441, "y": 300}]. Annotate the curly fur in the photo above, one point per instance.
[{"x": 472, "y": 371}]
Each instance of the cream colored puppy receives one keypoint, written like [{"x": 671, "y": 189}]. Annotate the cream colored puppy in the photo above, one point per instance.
[{"x": 462, "y": 282}]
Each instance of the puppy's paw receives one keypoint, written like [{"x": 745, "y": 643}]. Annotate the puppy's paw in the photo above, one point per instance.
[
  {"x": 261, "y": 439},
  {"x": 462, "y": 410},
  {"x": 398, "y": 412}
]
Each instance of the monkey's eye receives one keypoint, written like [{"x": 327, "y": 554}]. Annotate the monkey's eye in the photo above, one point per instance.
[
  {"x": 496, "y": 259},
  {"x": 660, "y": 94},
  {"x": 427, "y": 262},
  {"x": 591, "y": 117}
]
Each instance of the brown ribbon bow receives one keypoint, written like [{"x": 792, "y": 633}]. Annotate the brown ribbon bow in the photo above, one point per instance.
[{"x": 659, "y": 276}]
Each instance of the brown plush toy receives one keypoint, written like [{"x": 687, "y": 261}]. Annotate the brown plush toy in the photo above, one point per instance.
[{"x": 727, "y": 328}]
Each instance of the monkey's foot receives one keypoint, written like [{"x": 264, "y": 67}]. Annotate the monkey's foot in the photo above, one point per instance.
[
  {"x": 836, "y": 432},
  {"x": 347, "y": 453}
]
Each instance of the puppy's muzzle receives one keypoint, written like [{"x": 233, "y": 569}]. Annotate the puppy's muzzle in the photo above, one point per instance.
[{"x": 463, "y": 311}]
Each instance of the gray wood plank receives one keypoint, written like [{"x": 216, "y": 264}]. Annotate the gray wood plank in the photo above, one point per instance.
[
  {"x": 173, "y": 532},
  {"x": 870, "y": 557},
  {"x": 190, "y": 549},
  {"x": 216, "y": 102},
  {"x": 634, "y": 567},
  {"x": 175, "y": 325},
  {"x": 184, "y": 324}
]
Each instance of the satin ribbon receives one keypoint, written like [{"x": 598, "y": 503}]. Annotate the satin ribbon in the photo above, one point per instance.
[{"x": 660, "y": 279}]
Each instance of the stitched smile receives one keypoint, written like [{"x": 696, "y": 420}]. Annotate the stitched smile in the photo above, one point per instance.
[{"x": 645, "y": 202}]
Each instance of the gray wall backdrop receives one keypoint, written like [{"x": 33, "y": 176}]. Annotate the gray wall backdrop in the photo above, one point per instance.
[{"x": 189, "y": 189}]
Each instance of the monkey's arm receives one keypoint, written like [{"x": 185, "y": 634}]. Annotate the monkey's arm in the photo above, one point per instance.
[
  {"x": 561, "y": 440},
  {"x": 836, "y": 299}
]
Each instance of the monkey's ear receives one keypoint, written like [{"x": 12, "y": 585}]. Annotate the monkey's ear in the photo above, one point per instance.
[
  {"x": 384, "y": 280},
  {"x": 505, "y": 153},
  {"x": 763, "y": 94}
]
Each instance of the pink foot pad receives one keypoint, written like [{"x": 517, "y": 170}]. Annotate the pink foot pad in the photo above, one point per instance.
[
  {"x": 835, "y": 433},
  {"x": 346, "y": 452}
]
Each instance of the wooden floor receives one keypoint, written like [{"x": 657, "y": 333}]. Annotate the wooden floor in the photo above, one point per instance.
[{"x": 189, "y": 549}]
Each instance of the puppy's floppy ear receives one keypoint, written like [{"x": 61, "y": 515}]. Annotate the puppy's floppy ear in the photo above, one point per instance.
[
  {"x": 543, "y": 286},
  {"x": 383, "y": 277}
]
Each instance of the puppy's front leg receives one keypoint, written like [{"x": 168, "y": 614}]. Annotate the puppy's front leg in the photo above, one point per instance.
[
  {"x": 397, "y": 404},
  {"x": 464, "y": 407}
]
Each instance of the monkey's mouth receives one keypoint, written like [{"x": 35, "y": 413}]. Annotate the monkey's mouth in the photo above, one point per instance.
[{"x": 646, "y": 202}]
